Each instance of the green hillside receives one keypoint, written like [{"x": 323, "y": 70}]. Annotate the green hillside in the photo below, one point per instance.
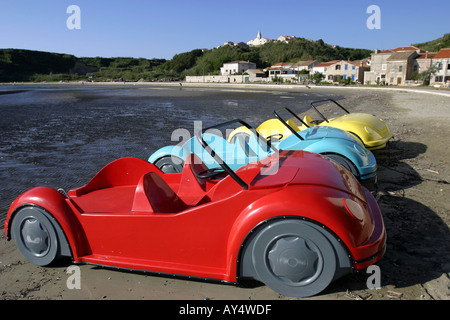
[
  {"x": 37, "y": 66},
  {"x": 20, "y": 65},
  {"x": 435, "y": 45},
  {"x": 28, "y": 65},
  {"x": 271, "y": 53}
]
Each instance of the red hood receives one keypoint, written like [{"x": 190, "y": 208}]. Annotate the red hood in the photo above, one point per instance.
[{"x": 306, "y": 168}]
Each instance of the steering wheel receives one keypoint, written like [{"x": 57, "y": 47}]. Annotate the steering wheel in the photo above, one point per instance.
[
  {"x": 209, "y": 173},
  {"x": 277, "y": 136}
]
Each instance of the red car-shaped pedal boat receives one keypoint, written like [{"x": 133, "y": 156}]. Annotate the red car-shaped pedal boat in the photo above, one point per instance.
[{"x": 295, "y": 221}]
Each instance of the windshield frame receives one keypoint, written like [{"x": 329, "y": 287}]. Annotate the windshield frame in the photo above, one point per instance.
[
  {"x": 326, "y": 100},
  {"x": 218, "y": 159},
  {"x": 275, "y": 112}
]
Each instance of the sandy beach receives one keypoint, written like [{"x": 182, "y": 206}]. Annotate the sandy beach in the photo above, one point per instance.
[{"x": 412, "y": 191}]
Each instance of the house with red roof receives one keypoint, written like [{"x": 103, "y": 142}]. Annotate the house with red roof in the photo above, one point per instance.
[
  {"x": 323, "y": 66},
  {"x": 290, "y": 70},
  {"x": 442, "y": 62},
  {"x": 424, "y": 61},
  {"x": 393, "y": 66},
  {"x": 346, "y": 70}
]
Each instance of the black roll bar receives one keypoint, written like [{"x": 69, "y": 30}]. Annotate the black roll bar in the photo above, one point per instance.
[
  {"x": 326, "y": 100},
  {"x": 219, "y": 160},
  {"x": 275, "y": 112}
]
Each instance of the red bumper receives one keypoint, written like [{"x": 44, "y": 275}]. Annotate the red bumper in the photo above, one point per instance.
[{"x": 373, "y": 250}]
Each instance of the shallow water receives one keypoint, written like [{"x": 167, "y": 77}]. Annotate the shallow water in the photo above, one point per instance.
[{"x": 60, "y": 136}]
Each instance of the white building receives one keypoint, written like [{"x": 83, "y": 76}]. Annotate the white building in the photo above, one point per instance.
[
  {"x": 289, "y": 70},
  {"x": 259, "y": 40},
  {"x": 285, "y": 39},
  {"x": 323, "y": 66},
  {"x": 442, "y": 61},
  {"x": 305, "y": 65},
  {"x": 234, "y": 67}
]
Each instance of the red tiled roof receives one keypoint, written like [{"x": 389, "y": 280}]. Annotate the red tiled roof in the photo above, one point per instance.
[
  {"x": 406, "y": 48},
  {"x": 427, "y": 55},
  {"x": 359, "y": 63},
  {"x": 326, "y": 64},
  {"x": 443, "y": 54},
  {"x": 281, "y": 64}
]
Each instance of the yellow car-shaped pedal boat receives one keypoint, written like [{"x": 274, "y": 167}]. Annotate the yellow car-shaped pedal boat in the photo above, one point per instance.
[{"x": 371, "y": 130}]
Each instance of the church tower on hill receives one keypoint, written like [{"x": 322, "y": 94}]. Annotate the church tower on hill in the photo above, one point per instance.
[{"x": 259, "y": 40}]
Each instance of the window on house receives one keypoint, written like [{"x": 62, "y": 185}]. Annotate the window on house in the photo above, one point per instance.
[
  {"x": 383, "y": 66},
  {"x": 346, "y": 67},
  {"x": 345, "y": 77},
  {"x": 353, "y": 77},
  {"x": 400, "y": 69},
  {"x": 438, "y": 79},
  {"x": 353, "y": 68},
  {"x": 330, "y": 77},
  {"x": 338, "y": 67}
]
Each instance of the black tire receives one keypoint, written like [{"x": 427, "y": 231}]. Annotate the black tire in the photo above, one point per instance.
[
  {"x": 294, "y": 258},
  {"x": 170, "y": 164},
  {"x": 38, "y": 236},
  {"x": 343, "y": 161}
]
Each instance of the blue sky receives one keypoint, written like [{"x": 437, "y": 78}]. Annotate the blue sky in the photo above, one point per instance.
[{"x": 162, "y": 28}]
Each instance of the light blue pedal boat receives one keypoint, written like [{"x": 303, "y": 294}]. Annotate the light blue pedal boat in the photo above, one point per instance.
[{"x": 243, "y": 147}]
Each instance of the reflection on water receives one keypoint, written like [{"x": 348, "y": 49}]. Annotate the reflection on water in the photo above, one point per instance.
[{"x": 60, "y": 136}]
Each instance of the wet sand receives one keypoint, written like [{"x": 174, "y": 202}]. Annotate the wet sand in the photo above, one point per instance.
[{"x": 413, "y": 191}]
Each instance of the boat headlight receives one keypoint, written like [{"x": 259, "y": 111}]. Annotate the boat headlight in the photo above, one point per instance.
[
  {"x": 359, "y": 149},
  {"x": 369, "y": 130},
  {"x": 354, "y": 209},
  {"x": 372, "y": 132}
]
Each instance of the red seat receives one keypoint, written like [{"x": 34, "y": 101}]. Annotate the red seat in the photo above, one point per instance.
[
  {"x": 161, "y": 197},
  {"x": 121, "y": 172},
  {"x": 192, "y": 189}
]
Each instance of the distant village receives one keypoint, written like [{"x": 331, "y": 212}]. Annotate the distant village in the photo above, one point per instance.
[{"x": 399, "y": 66}]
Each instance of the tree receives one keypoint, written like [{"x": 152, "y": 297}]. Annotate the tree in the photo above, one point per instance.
[
  {"x": 427, "y": 74},
  {"x": 317, "y": 77}
]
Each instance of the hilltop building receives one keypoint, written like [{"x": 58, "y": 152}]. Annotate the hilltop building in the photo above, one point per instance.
[
  {"x": 285, "y": 38},
  {"x": 259, "y": 40}
]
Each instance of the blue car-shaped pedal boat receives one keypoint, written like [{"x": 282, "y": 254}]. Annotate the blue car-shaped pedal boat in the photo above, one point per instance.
[{"x": 244, "y": 148}]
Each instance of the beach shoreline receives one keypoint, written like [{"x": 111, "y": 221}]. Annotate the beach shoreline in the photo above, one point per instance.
[
  {"x": 261, "y": 86},
  {"x": 413, "y": 191}
]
